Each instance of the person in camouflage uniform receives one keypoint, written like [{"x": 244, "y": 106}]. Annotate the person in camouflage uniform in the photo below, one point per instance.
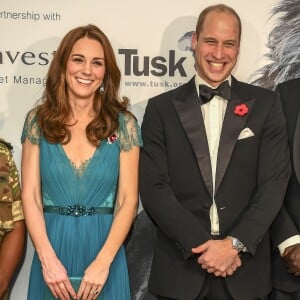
[{"x": 12, "y": 226}]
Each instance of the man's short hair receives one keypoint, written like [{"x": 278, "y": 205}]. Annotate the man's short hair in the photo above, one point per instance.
[{"x": 217, "y": 8}]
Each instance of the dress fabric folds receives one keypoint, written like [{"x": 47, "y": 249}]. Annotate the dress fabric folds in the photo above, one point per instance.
[{"x": 78, "y": 239}]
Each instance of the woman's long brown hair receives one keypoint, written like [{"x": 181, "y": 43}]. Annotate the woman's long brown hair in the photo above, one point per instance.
[{"x": 54, "y": 111}]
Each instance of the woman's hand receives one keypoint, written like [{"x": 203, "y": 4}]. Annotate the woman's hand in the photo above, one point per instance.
[
  {"x": 94, "y": 279},
  {"x": 56, "y": 277}
]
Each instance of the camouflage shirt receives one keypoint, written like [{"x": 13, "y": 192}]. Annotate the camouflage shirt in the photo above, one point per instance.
[{"x": 10, "y": 192}]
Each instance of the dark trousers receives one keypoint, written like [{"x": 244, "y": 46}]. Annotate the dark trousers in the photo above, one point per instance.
[
  {"x": 214, "y": 288},
  {"x": 280, "y": 295}
]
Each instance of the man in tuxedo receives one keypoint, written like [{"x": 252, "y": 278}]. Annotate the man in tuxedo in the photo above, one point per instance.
[
  {"x": 285, "y": 231},
  {"x": 213, "y": 173}
]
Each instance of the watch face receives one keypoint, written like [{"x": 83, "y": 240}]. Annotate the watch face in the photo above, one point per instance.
[
  {"x": 239, "y": 245},
  {"x": 236, "y": 244}
]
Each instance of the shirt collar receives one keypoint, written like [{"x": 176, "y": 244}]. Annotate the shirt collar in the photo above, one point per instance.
[{"x": 199, "y": 80}]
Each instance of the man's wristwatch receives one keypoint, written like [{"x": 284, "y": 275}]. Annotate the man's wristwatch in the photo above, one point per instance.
[{"x": 237, "y": 244}]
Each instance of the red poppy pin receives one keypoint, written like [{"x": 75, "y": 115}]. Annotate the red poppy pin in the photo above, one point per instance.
[
  {"x": 111, "y": 139},
  {"x": 241, "y": 110}
]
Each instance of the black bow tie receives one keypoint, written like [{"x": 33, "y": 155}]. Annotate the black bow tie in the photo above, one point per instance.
[{"x": 206, "y": 93}]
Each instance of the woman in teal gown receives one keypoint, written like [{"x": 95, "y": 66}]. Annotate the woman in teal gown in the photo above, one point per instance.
[{"x": 78, "y": 211}]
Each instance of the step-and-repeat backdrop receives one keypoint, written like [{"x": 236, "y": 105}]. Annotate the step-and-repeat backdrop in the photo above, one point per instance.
[{"x": 152, "y": 43}]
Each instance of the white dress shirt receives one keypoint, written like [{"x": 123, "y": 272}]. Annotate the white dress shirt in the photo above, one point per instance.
[
  {"x": 213, "y": 115},
  {"x": 295, "y": 239}
]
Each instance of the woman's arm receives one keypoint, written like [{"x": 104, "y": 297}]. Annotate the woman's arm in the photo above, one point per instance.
[
  {"x": 55, "y": 275},
  {"x": 127, "y": 202}
]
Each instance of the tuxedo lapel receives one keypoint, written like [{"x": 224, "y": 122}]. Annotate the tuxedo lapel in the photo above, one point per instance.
[
  {"x": 232, "y": 127},
  {"x": 291, "y": 106},
  {"x": 188, "y": 109},
  {"x": 296, "y": 148}
]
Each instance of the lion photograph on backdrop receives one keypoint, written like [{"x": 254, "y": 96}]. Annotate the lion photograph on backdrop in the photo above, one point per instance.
[
  {"x": 283, "y": 46},
  {"x": 283, "y": 63}
]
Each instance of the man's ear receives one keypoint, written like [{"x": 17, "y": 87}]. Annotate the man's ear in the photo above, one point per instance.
[{"x": 194, "y": 41}]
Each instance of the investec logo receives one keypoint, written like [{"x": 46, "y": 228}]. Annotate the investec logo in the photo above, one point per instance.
[
  {"x": 133, "y": 63},
  {"x": 28, "y": 58}
]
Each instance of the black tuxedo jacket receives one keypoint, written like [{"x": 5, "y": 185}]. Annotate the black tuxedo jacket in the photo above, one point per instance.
[
  {"x": 176, "y": 186},
  {"x": 287, "y": 223}
]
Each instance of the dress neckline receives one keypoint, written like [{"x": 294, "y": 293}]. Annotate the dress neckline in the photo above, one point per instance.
[{"x": 78, "y": 170}]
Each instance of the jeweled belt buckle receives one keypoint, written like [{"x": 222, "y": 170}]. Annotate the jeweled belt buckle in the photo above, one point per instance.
[{"x": 76, "y": 210}]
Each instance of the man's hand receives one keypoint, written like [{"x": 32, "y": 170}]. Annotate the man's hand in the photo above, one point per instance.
[
  {"x": 291, "y": 256},
  {"x": 218, "y": 257}
]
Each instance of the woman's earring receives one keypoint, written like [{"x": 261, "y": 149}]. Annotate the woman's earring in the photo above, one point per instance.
[{"x": 101, "y": 89}]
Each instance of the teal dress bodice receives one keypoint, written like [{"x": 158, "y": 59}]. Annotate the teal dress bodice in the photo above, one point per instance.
[{"x": 78, "y": 239}]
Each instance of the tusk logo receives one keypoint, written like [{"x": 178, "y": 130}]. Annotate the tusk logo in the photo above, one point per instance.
[
  {"x": 134, "y": 64},
  {"x": 155, "y": 66}
]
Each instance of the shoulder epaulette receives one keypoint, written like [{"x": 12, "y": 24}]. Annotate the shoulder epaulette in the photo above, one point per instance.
[{"x": 8, "y": 145}]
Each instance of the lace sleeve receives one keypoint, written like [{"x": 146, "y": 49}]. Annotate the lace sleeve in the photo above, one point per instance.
[
  {"x": 129, "y": 132},
  {"x": 31, "y": 129}
]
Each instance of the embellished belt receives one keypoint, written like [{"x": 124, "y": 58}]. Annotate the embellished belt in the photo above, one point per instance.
[{"x": 77, "y": 210}]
